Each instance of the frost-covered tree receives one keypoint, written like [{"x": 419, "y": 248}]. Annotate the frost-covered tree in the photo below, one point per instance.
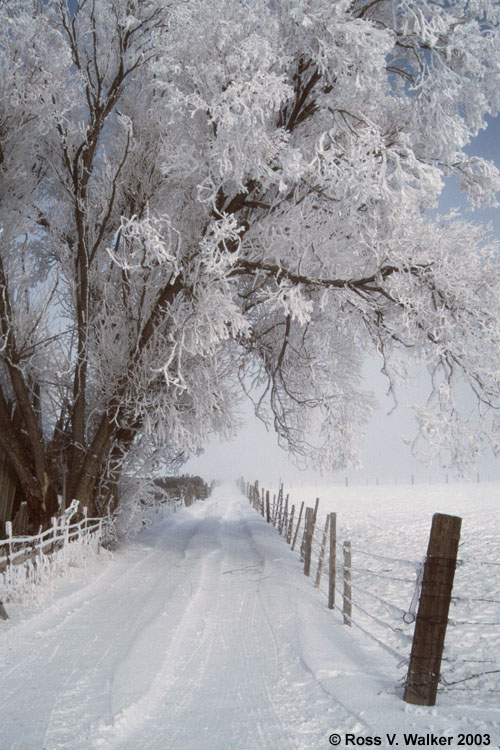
[{"x": 203, "y": 193}]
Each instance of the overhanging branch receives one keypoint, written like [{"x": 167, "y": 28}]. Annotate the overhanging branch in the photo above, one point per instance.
[{"x": 368, "y": 283}]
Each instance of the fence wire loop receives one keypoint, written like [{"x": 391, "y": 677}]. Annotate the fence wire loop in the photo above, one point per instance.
[{"x": 410, "y": 615}]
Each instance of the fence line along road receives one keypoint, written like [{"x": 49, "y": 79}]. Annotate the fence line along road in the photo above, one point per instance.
[
  {"x": 414, "y": 634},
  {"x": 26, "y": 561}
]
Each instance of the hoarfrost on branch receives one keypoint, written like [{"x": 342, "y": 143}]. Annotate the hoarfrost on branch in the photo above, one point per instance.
[{"x": 204, "y": 195}]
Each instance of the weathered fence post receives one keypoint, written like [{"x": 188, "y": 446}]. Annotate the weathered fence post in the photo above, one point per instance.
[
  {"x": 268, "y": 510},
  {"x": 50, "y": 537},
  {"x": 279, "y": 509},
  {"x": 307, "y": 540},
  {"x": 332, "y": 562},
  {"x": 316, "y": 510},
  {"x": 298, "y": 525},
  {"x": 100, "y": 535},
  {"x": 432, "y": 616},
  {"x": 303, "y": 541},
  {"x": 314, "y": 516},
  {"x": 284, "y": 517},
  {"x": 347, "y": 608},
  {"x": 35, "y": 551},
  {"x": 276, "y": 504},
  {"x": 322, "y": 553},
  {"x": 8, "y": 531},
  {"x": 290, "y": 526}
]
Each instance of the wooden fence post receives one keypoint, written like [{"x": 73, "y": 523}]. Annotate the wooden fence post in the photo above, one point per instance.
[
  {"x": 279, "y": 509},
  {"x": 290, "y": 526},
  {"x": 34, "y": 551},
  {"x": 322, "y": 553},
  {"x": 8, "y": 531},
  {"x": 298, "y": 525},
  {"x": 268, "y": 510},
  {"x": 284, "y": 517},
  {"x": 316, "y": 510},
  {"x": 276, "y": 504},
  {"x": 314, "y": 516},
  {"x": 332, "y": 562},
  {"x": 3, "y": 612},
  {"x": 347, "y": 608},
  {"x": 99, "y": 538},
  {"x": 303, "y": 541},
  {"x": 308, "y": 536},
  {"x": 432, "y": 616}
]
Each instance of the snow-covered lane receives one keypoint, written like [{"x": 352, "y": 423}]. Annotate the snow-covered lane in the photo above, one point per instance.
[
  {"x": 226, "y": 678},
  {"x": 202, "y": 632},
  {"x": 176, "y": 643},
  {"x": 58, "y": 667}
]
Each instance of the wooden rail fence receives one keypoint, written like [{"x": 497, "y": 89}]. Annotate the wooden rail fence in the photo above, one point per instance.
[{"x": 26, "y": 560}]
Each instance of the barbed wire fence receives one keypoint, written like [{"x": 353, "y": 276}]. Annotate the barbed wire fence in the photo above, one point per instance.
[{"x": 382, "y": 596}]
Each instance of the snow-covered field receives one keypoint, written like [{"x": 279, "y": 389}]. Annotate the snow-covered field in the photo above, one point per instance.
[
  {"x": 388, "y": 527},
  {"x": 203, "y": 633}
]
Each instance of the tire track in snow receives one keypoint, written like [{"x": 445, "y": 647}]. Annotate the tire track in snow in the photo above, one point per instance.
[
  {"x": 142, "y": 592},
  {"x": 188, "y": 641},
  {"x": 298, "y": 687},
  {"x": 58, "y": 661},
  {"x": 228, "y": 695},
  {"x": 183, "y": 626}
]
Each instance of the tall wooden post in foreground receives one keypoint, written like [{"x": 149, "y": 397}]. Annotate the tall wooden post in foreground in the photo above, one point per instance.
[
  {"x": 290, "y": 526},
  {"x": 347, "y": 603},
  {"x": 332, "y": 560},
  {"x": 322, "y": 552},
  {"x": 308, "y": 537},
  {"x": 432, "y": 617}
]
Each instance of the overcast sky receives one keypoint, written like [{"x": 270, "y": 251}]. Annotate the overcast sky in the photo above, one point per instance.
[{"x": 254, "y": 454}]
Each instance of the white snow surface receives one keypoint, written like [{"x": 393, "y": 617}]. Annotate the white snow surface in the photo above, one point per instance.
[{"x": 202, "y": 632}]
